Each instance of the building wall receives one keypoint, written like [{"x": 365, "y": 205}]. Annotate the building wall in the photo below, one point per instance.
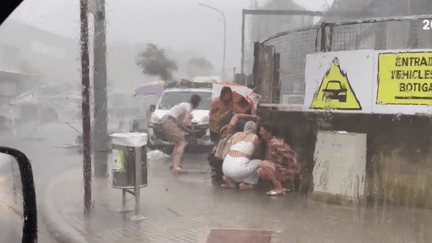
[
  {"x": 57, "y": 59},
  {"x": 377, "y": 8},
  {"x": 28, "y": 49},
  {"x": 398, "y": 146},
  {"x": 398, "y": 163}
]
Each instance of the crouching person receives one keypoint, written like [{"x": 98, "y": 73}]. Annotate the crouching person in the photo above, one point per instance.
[
  {"x": 222, "y": 149},
  {"x": 238, "y": 167},
  {"x": 280, "y": 164}
]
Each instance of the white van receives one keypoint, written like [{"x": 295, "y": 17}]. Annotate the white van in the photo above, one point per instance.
[{"x": 200, "y": 122}]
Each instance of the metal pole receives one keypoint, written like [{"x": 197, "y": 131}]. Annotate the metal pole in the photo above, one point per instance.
[
  {"x": 138, "y": 161},
  {"x": 100, "y": 94},
  {"x": 123, "y": 199},
  {"x": 137, "y": 180},
  {"x": 242, "y": 40},
  {"x": 85, "y": 89},
  {"x": 224, "y": 47},
  {"x": 223, "y": 64}
]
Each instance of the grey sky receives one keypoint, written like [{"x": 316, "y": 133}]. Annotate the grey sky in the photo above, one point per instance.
[{"x": 179, "y": 25}]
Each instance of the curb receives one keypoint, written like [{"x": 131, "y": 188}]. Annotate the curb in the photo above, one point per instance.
[{"x": 56, "y": 225}]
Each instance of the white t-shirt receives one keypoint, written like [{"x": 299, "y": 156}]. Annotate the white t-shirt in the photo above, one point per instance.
[{"x": 180, "y": 112}]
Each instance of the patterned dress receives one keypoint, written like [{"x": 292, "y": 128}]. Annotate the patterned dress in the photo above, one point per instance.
[{"x": 284, "y": 158}]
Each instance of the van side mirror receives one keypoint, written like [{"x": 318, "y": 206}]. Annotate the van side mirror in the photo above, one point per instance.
[{"x": 152, "y": 107}]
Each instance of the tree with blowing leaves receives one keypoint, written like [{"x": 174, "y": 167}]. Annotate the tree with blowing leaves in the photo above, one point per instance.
[{"x": 154, "y": 62}]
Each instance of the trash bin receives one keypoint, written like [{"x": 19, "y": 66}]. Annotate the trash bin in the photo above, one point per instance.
[{"x": 125, "y": 147}]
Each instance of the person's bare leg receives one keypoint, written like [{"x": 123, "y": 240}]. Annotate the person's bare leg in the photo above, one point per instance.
[
  {"x": 228, "y": 182},
  {"x": 173, "y": 156},
  {"x": 246, "y": 186},
  {"x": 178, "y": 152},
  {"x": 268, "y": 171}
]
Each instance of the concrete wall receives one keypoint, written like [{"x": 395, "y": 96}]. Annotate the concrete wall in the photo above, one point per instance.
[{"x": 398, "y": 166}]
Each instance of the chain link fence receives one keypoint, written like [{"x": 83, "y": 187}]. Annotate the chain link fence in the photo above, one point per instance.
[{"x": 377, "y": 33}]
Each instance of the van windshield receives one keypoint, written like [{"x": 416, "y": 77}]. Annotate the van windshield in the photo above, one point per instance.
[{"x": 171, "y": 99}]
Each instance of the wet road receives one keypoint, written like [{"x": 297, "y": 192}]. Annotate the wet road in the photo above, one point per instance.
[
  {"x": 42, "y": 145},
  {"x": 294, "y": 219}
]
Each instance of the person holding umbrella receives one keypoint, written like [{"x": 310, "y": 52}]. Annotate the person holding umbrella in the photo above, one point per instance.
[{"x": 220, "y": 113}]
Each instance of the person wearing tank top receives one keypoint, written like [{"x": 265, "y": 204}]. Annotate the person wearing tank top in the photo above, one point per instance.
[
  {"x": 238, "y": 167},
  {"x": 174, "y": 124},
  {"x": 242, "y": 171}
]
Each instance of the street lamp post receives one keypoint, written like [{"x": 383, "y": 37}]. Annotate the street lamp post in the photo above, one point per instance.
[{"x": 224, "y": 47}]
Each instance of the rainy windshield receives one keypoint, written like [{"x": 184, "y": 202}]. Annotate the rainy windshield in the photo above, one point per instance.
[
  {"x": 171, "y": 99},
  {"x": 336, "y": 148}
]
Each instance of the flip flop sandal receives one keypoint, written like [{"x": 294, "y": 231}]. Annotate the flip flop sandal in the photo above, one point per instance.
[
  {"x": 171, "y": 167},
  {"x": 179, "y": 172},
  {"x": 274, "y": 193},
  {"x": 246, "y": 187},
  {"x": 228, "y": 186}
]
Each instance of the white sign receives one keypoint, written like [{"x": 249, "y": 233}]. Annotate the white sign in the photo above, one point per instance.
[
  {"x": 369, "y": 81},
  {"x": 402, "y": 81},
  {"x": 340, "y": 81}
]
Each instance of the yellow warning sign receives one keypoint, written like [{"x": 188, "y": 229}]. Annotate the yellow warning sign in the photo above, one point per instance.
[
  {"x": 405, "y": 78},
  {"x": 335, "y": 91}
]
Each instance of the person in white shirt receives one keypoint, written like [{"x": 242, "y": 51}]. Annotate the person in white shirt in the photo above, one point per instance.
[{"x": 174, "y": 124}]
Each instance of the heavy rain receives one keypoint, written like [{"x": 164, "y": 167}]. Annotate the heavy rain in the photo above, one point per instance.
[{"x": 216, "y": 121}]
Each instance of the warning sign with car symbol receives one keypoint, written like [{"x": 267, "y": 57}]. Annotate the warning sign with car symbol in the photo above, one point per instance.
[{"x": 335, "y": 91}]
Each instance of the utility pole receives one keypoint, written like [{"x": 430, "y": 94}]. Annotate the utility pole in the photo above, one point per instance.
[
  {"x": 100, "y": 142},
  {"x": 85, "y": 89}
]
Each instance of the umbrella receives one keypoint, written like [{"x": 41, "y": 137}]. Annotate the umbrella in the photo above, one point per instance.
[{"x": 241, "y": 94}]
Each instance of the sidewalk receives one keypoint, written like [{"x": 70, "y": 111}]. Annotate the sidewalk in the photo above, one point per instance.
[{"x": 185, "y": 208}]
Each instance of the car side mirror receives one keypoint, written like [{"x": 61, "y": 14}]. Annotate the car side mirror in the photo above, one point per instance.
[
  {"x": 152, "y": 107},
  {"x": 30, "y": 228}
]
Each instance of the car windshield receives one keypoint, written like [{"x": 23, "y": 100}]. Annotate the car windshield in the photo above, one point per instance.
[{"x": 171, "y": 99}]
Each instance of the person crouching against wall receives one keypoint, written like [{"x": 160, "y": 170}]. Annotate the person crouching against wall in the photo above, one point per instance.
[
  {"x": 174, "y": 124},
  {"x": 280, "y": 163}
]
